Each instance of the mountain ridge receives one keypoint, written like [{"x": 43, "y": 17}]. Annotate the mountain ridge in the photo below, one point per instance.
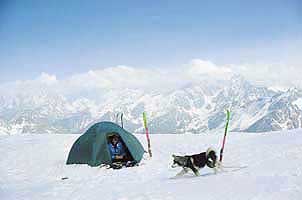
[{"x": 194, "y": 108}]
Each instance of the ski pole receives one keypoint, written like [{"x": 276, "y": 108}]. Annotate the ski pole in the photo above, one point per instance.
[
  {"x": 225, "y": 134},
  {"x": 147, "y": 134},
  {"x": 116, "y": 118},
  {"x": 122, "y": 123}
]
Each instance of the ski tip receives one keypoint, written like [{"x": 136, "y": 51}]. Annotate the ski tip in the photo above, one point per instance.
[
  {"x": 145, "y": 119},
  {"x": 228, "y": 113}
]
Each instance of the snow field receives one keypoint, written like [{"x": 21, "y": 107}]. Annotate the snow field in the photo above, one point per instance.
[{"x": 31, "y": 167}]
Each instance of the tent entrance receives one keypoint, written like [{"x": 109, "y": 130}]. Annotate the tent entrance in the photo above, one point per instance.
[{"x": 128, "y": 156}]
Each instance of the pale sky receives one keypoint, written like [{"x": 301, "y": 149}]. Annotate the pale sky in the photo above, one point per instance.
[{"x": 260, "y": 39}]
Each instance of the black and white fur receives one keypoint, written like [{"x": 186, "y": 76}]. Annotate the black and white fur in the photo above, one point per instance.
[{"x": 196, "y": 162}]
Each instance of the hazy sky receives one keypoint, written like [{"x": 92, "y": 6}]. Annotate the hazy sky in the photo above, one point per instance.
[{"x": 65, "y": 38}]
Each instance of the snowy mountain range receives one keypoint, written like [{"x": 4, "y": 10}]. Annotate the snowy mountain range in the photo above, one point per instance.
[{"x": 194, "y": 108}]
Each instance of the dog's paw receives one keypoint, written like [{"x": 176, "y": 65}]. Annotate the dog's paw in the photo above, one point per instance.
[{"x": 197, "y": 173}]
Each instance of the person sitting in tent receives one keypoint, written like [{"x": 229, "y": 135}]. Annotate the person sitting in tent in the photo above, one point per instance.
[{"x": 117, "y": 149}]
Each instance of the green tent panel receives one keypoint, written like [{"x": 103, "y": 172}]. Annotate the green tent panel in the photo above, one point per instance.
[{"x": 92, "y": 147}]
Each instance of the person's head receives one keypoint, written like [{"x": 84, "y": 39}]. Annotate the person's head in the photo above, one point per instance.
[{"x": 114, "y": 139}]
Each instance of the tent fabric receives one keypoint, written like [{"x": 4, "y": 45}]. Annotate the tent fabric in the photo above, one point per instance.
[{"x": 92, "y": 147}]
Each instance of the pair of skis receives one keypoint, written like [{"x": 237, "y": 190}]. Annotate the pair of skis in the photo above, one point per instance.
[{"x": 223, "y": 142}]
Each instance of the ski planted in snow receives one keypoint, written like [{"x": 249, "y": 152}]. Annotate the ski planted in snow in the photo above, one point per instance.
[
  {"x": 225, "y": 134},
  {"x": 147, "y": 134}
]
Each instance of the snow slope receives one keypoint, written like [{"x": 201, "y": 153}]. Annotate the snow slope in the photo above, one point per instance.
[{"x": 31, "y": 167}]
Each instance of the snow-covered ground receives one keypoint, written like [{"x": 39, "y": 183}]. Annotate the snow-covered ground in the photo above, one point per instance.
[{"x": 31, "y": 167}]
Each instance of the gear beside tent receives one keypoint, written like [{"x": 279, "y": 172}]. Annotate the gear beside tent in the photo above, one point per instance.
[{"x": 92, "y": 147}]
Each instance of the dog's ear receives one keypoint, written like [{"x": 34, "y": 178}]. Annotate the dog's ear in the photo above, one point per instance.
[{"x": 173, "y": 155}]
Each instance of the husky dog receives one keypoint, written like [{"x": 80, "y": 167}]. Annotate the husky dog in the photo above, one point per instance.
[{"x": 196, "y": 162}]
